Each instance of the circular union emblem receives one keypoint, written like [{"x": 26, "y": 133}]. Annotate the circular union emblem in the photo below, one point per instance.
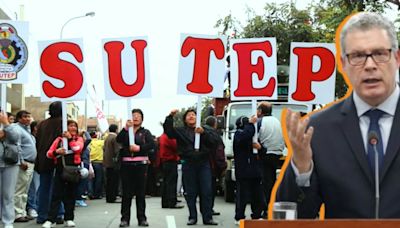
[{"x": 13, "y": 50}]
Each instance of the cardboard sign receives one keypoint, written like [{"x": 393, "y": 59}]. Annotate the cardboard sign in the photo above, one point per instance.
[
  {"x": 13, "y": 52},
  {"x": 126, "y": 68},
  {"x": 312, "y": 73},
  {"x": 202, "y": 65},
  {"x": 62, "y": 70},
  {"x": 254, "y": 69}
]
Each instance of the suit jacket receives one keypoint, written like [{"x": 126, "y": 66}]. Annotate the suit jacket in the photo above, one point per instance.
[{"x": 342, "y": 178}]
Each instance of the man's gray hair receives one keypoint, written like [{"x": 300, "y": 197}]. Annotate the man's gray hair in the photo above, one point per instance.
[{"x": 365, "y": 21}]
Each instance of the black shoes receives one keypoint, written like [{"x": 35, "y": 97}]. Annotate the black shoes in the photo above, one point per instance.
[
  {"x": 211, "y": 222},
  {"x": 115, "y": 201},
  {"x": 124, "y": 224},
  {"x": 29, "y": 217},
  {"x": 177, "y": 206},
  {"x": 216, "y": 213},
  {"x": 59, "y": 221},
  {"x": 21, "y": 219},
  {"x": 191, "y": 222},
  {"x": 143, "y": 223}
]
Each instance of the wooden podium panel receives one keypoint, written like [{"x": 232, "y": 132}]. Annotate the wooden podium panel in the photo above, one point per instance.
[{"x": 327, "y": 223}]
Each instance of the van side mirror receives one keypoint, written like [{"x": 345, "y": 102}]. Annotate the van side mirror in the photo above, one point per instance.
[{"x": 220, "y": 122}]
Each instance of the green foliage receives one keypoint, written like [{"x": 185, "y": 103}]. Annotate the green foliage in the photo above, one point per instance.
[
  {"x": 229, "y": 25},
  {"x": 205, "y": 103},
  {"x": 284, "y": 22}
]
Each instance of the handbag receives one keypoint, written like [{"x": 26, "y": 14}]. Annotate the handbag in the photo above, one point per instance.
[
  {"x": 70, "y": 173},
  {"x": 11, "y": 153}
]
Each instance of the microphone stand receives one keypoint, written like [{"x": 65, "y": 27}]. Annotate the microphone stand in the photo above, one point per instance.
[
  {"x": 377, "y": 195},
  {"x": 373, "y": 140}
]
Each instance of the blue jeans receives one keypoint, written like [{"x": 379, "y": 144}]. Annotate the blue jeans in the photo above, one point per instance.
[
  {"x": 197, "y": 182},
  {"x": 82, "y": 188},
  {"x": 33, "y": 192},
  {"x": 96, "y": 184},
  {"x": 44, "y": 197}
]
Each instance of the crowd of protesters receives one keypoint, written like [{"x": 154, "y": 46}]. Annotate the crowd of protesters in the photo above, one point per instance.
[{"x": 35, "y": 186}]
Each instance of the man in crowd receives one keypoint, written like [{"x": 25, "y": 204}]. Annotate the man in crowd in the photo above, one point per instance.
[
  {"x": 271, "y": 139},
  {"x": 28, "y": 156},
  {"x": 217, "y": 157},
  {"x": 96, "y": 159},
  {"x": 110, "y": 163},
  {"x": 47, "y": 131},
  {"x": 169, "y": 167}
]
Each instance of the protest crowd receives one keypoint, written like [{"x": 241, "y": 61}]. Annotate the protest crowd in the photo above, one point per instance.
[{"x": 96, "y": 167}]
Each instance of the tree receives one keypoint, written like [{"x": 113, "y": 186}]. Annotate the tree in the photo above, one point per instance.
[{"x": 284, "y": 22}]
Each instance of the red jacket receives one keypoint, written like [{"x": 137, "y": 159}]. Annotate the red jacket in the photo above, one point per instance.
[
  {"x": 75, "y": 144},
  {"x": 168, "y": 149}
]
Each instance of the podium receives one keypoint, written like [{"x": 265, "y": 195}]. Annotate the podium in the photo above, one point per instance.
[{"x": 327, "y": 223}]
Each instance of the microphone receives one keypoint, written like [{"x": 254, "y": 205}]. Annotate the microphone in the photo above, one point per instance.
[{"x": 373, "y": 141}]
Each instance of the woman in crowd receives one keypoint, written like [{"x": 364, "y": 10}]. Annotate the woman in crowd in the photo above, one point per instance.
[
  {"x": 134, "y": 164},
  {"x": 64, "y": 190},
  {"x": 8, "y": 172}
]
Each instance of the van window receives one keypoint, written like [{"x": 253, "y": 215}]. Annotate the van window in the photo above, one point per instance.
[{"x": 238, "y": 110}]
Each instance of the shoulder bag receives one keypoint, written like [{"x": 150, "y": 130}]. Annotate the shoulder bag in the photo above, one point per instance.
[
  {"x": 70, "y": 173},
  {"x": 11, "y": 153}
]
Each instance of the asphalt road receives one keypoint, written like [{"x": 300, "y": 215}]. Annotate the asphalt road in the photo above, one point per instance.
[{"x": 101, "y": 214}]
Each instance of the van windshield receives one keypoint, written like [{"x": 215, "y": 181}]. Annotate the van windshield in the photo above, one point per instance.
[{"x": 238, "y": 110}]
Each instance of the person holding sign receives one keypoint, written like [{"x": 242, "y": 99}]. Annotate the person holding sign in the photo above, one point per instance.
[
  {"x": 247, "y": 170},
  {"x": 347, "y": 156},
  {"x": 134, "y": 164},
  {"x": 47, "y": 131},
  {"x": 196, "y": 169},
  {"x": 64, "y": 190}
]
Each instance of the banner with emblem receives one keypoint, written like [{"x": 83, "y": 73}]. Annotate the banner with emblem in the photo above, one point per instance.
[{"x": 13, "y": 51}]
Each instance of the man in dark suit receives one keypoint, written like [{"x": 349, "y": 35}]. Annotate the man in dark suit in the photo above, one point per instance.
[{"x": 333, "y": 160}]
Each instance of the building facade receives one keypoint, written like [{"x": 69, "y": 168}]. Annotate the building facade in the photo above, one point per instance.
[{"x": 40, "y": 110}]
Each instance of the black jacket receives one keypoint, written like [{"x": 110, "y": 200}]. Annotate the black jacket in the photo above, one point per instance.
[
  {"x": 143, "y": 138},
  {"x": 185, "y": 141},
  {"x": 217, "y": 155},
  {"x": 47, "y": 131},
  {"x": 247, "y": 164},
  {"x": 342, "y": 178}
]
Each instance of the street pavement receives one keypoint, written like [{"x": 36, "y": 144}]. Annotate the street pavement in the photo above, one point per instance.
[{"x": 100, "y": 214}]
